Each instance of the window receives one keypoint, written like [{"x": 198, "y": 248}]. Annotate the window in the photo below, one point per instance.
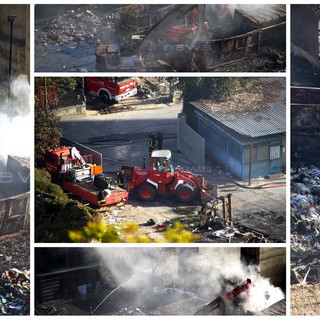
[{"x": 274, "y": 152}]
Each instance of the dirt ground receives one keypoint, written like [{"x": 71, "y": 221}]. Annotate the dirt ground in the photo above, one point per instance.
[
  {"x": 15, "y": 251},
  {"x": 305, "y": 300}
]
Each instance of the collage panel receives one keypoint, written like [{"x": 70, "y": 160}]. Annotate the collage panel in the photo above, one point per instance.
[
  {"x": 160, "y": 38},
  {"x": 197, "y": 159},
  {"x": 15, "y": 153},
  {"x": 305, "y": 166},
  {"x": 160, "y": 281}
]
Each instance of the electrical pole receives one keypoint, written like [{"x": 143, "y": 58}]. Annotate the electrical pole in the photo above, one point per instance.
[{"x": 11, "y": 19}]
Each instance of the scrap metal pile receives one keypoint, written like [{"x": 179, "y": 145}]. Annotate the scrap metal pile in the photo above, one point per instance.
[
  {"x": 14, "y": 274},
  {"x": 305, "y": 224},
  {"x": 15, "y": 292}
]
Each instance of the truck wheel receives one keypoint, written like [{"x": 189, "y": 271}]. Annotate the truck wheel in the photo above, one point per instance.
[
  {"x": 104, "y": 97},
  {"x": 146, "y": 192},
  {"x": 185, "y": 193}
]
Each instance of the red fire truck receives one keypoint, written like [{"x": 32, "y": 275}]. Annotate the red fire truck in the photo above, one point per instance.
[{"x": 110, "y": 88}]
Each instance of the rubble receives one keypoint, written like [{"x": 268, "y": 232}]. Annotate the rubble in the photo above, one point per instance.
[
  {"x": 305, "y": 224},
  {"x": 79, "y": 24},
  {"x": 15, "y": 292},
  {"x": 15, "y": 274}
]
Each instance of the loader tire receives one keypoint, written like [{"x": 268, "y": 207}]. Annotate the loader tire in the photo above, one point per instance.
[
  {"x": 146, "y": 192},
  {"x": 185, "y": 193},
  {"x": 105, "y": 98}
]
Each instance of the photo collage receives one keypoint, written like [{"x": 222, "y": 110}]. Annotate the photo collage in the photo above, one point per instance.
[{"x": 156, "y": 159}]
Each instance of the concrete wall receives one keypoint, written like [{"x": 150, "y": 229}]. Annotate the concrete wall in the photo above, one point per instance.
[
  {"x": 272, "y": 262},
  {"x": 190, "y": 143},
  {"x": 21, "y": 39},
  {"x": 304, "y": 33},
  {"x": 69, "y": 111}
]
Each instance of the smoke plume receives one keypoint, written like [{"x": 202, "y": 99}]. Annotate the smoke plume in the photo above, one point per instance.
[
  {"x": 15, "y": 121},
  {"x": 207, "y": 274}
]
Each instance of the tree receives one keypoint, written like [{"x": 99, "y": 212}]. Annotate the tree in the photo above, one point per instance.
[
  {"x": 63, "y": 84},
  {"x": 47, "y": 135}
]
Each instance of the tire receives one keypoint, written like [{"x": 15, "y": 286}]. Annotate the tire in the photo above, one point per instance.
[
  {"x": 146, "y": 192},
  {"x": 185, "y": 193},
  {"x": 105, "y": 98}
]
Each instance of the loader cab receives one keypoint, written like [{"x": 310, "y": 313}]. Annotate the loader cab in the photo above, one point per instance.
[{"x": 161, "y": 166}]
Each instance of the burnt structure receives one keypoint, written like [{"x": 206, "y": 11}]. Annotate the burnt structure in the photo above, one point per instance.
[
  {"x": 305, "y": 32},
  {"x": 15, "y": 196},
  {"x": 80, "y": 279},
  {"x": 305, "y": 125}
]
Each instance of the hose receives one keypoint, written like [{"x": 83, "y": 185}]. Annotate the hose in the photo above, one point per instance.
[{"x": 247, "y": 187}]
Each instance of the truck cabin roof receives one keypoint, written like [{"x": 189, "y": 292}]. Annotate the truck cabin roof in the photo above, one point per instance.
[{"x": 161, "y": 154}]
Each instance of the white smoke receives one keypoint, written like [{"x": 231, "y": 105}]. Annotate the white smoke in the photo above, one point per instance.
[
  {"x": 15, "y": 121},
  {"x": 210, "y": 274}
]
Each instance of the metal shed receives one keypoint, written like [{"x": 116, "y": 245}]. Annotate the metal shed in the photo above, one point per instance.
[{"x": 247, "y": 138}]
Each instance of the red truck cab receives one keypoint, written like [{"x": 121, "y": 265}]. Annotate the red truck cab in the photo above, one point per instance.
[{"x": 110, "y": 88}]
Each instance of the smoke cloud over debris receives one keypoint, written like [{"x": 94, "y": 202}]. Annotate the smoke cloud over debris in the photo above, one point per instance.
[
  {"x": 15, "y": 121},
  {"x": 147, "y": 272}
]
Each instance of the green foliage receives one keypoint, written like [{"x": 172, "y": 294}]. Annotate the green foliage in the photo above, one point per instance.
[
  {"x": 65, "y": 214},
  {"x": 63, "y": 84},
  {"x": 178, "y": 234},
  {"x": 46, "y": 133},
  {"x": 42, "y": 184},
  {"x": 128, "y": 233}
]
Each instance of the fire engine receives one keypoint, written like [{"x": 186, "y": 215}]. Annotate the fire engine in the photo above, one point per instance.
[
  {"x": 83, "y": 178},
  {"x": 177, "y": 34},
  {"x": 110, "y": 88},
  {"x": 162, "y": 178}
]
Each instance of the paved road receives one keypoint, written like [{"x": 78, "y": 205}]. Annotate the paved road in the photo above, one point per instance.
[{"x": 122, "y": 137}]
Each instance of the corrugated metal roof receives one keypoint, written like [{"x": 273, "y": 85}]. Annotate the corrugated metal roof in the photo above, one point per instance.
[{"x": 267, "y": 117}]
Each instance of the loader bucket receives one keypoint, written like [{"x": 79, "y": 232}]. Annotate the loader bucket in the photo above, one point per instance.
[{"x": 208, "y": 191}]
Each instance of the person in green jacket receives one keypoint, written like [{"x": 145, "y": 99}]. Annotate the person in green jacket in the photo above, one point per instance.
[{"x": 152, "y": 143}]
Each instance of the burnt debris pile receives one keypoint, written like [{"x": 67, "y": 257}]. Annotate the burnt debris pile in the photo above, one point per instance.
[
  {"x": 76, "y": 24},
  {"x": 305, "y": 224},
  {"x": 15, "y": 292},
  {"x": 15, "y": 274}
]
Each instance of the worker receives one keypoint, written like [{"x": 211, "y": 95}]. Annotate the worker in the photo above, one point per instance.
[
  {"x": 159, "y": 140},
  {"x": 152, "y": 143},
  {"x": 120, "y": 179}
]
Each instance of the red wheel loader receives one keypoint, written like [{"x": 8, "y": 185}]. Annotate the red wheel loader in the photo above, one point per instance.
[{"x": 162, "y": 178}]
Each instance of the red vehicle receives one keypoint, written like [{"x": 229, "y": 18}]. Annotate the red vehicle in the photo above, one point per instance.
[
  {"x": 81, "y": 177},
  {"x": 177, "y": 34},
  {"x": 110, "y": 88},
  {"x": 217, "y": 306},
  {"x": 162, "y": 178}
]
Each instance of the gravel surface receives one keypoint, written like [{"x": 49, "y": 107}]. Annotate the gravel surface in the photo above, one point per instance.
[{"x": 15, "y": 251}]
